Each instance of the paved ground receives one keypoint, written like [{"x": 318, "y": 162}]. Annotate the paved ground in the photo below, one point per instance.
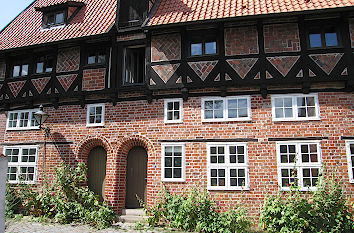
[{"x": 25, "y": 226}]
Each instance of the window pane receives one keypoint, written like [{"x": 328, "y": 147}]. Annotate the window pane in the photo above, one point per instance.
[
  {"x": 101, "y": 59},
  {"x": 168, "y": 172},
  {"x": 16, "y": 71},
  {"x": 169, "y": 116},
  {"x": 218, "y": 104},
  {"x": 315, "y": 40},
  {"x": 196, "y": 49},
  {"x": 168, "y": 161},
  {"x": 279, "y": 113},
  {"x": 170, "y": 106},
  {"x": 210, "y": 47},
  {"x": 331, "y": 39},
  {"x": 59, "y": 18},
  {"x": 24, "y": 71},
  {"x": 177, "y": 173},
  {"x": 177, "y": 162},
  {"x": 218, "y": 114},
  {"x": 91, "y": 59},
  {"x": 39, "y": 68}
]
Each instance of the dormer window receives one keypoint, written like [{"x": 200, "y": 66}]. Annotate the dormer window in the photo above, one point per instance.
[
  {"x": 57, "y": 14},
  {"x": 52, "y": 19}
]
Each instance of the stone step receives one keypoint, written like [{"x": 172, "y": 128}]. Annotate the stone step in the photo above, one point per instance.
[{"x": 132, "y": 215}]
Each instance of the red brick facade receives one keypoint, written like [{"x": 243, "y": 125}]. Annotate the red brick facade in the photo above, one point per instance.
[
  {"x": 68, "y": 59},
  {"x": 94, "y": 79},
  {"x": 127, "y": 127},
  {"x": 241, "y": 41},
  {"x": 165, "y": 47},
  {"x": 281, "y": 38}
]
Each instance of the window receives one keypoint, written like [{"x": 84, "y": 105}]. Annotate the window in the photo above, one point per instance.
[
  {"x": 22, "y": 163},
  {"x": 96, "y": 58},
  {"x": 299, "y": 163},
  {"x": 52, "y": 19},
  {"x": 20, "y": 69},
  {"x": 226, "y": 109},
  {"x": 203, "y": 43},
  {"x": 173, "y": 162},
  {"x": 173, "y": 110},
  {"x": 295, "y": 107},
  {"x": 44, "y": 64},
  {"x": 227, "y": 166},
  {"x": 350, "y": 156},
  {"x": 95, "y": 115},
  {"x": 134, "y": 65},
  {"x": 324, "y": 37},
  {"x": 22, "y": 120}
]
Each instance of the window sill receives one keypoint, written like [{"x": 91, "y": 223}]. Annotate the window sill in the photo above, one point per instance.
[
  {"x": 94, "y": 125},
  {"x": 53, "y": 27},
  {"x": 303, "y": 189},
  {"x": 174, "y": 180},
  {"x": 226, "y": 120},
  {"x": 173, "y": 122},
  {"x": 22, "y": 129},
  {"x": 245, "y": 188},
  {"x": 297, "y": 119}
]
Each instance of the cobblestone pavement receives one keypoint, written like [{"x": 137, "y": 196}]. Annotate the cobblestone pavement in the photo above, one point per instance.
[{"x": 25, "y": 226}]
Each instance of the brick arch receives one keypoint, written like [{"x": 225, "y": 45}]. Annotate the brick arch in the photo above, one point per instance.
[
  {"x": 87, "y": 144},
  {"x": 118, "y": 176}
]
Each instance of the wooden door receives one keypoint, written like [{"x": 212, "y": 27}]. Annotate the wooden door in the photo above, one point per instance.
[
  {"x": 97, "y": 171},
  {"x": 136, "y": 177}
]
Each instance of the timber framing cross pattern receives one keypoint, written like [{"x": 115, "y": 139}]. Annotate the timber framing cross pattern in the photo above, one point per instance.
[{"x": 228, "y": 97}]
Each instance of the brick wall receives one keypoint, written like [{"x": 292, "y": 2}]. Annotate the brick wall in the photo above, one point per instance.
[
  {"x": 68, "y": 59},
  {"x": 351, "y": 30},
  {"x": 2, "y": 69},
  {"x": 126, "y": 127},
  {"x": 241, "y": 41},
  {"x": 94, "y": 79},
  {"x": 165, "y": 47},
  {"x": 281, "y": 38}
]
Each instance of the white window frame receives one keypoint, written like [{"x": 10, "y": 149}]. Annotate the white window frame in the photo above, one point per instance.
[
  {"x": 29, "y": 127},
  {"x": 180, "y": 101},
  {"x": 295, "y": 107},
  {"x": 225, "y": 109},
  {"x": 227, "y": 166},
  {"x": 183, "y": 172},
  {"x": 349, "y": 160},
  {"x": 20, "y": 164},
  {"x": 88, "y": 124},
  {"x": 298, "y": 165}
]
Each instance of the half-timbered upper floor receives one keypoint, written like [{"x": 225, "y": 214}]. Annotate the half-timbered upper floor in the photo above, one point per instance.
[{"x": 78, "y": 52}]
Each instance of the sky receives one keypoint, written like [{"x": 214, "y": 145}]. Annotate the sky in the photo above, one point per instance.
[{"x": 9, "y": 9}]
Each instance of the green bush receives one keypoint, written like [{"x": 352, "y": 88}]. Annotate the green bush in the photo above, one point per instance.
[
  {"x": 324, "y": 210},
  {"x": 195, "y": 211},
  {"x": 65, "y": 200}
]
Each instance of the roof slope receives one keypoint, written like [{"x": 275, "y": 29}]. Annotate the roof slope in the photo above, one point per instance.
[
  {"x": 178, "y": 11},
  {"x": 96, "y": 17}
]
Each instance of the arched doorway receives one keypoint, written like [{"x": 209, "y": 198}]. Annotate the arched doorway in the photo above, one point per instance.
[
  {"x": 97, "y": 159},
  {"x": 136, "y": 177}
]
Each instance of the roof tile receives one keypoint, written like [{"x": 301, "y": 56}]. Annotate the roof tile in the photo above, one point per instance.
[
  {"x": 96, "y": 17},
  {"x": 194, "y": 10}
]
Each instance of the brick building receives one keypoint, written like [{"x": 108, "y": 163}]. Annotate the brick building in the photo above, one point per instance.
[{"x": 226, "y": 95}]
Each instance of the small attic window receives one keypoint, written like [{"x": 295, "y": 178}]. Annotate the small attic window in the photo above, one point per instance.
[
  {"x": 58, "y": 13},
  {"x": 52, "y": 19}
]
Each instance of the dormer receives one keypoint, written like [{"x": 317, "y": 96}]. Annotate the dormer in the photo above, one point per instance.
[
  {"x": 133, "y": 13},
  {"x": 58, "y": 12}
]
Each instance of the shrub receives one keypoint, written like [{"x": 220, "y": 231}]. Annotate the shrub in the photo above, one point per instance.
[
  {"x": 195, "y": 211},
  {"x": 66, "y": 200},
  {"x": 325, "y": 210}
]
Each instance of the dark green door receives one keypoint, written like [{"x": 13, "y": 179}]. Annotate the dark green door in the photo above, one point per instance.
[
  {"x": 97, "y": 171},
  {"x": 136, "y": 177}
]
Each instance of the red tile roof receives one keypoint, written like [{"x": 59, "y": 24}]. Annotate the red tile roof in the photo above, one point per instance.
[
  {"x": 96, "y": 17},
  {"x": 178, "y": 11},
  {"x": 46, "y": 3}
]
